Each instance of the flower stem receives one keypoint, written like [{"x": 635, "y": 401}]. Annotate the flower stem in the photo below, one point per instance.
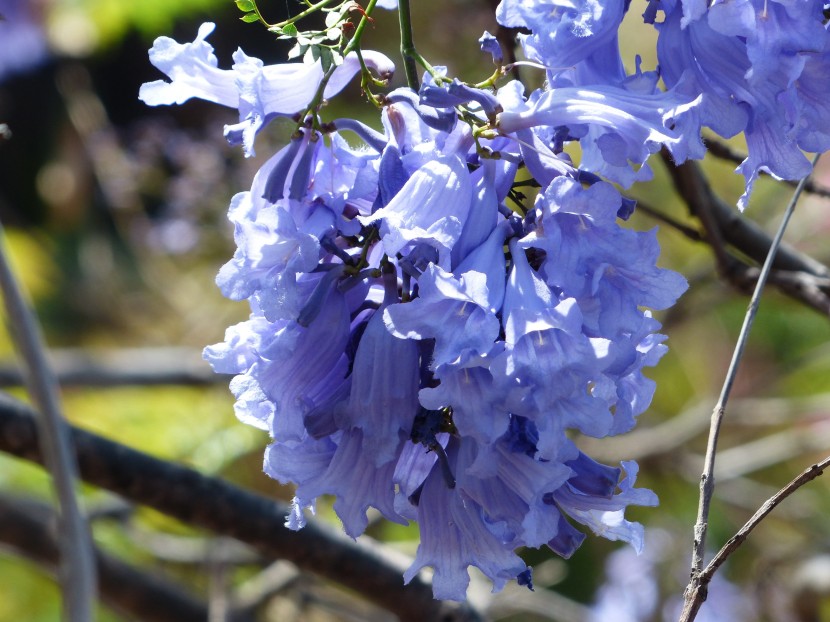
[
  {"x": 312, "y": 9},
  {"x": 410, "y": 55},
  {"x": 352, "y": 46}
]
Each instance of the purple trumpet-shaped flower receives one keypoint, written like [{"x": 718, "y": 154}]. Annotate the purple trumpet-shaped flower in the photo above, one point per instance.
[
  {"x": 445, "y": 516},
  {"x": 458, "y": 312},
  {"x": 339, "y": 465},
  {"x": 747, "y": 59},
  {"x": 421, "y": 342},
  {"x": 511, "y": 486},
  {"x": 430, "y": 208},
  {"x": 258, "y": 91},
  {"x": 610, "y": 271},
  {"x": 193, "y": 70},
  {"x": 604, "y": 513},
  {"x": 289, "y": 364},
  {"x": 457, "y": 93},
  {"x": 564, "y": 33},
  {"x": 490, "y": 45},
  {"x": 384, "y": 392},
  {"x": 618, "y": 128},
  {"x": 548, "y": 355},
  {"x": 454, "y": 312}
]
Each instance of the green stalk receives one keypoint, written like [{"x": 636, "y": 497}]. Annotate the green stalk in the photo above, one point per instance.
[
  {"x": 351, "y": 47},
  {"x": 361, "y": 26},
  {"x": 410, "y": 55},
  {"x": 312, "y": 8}
]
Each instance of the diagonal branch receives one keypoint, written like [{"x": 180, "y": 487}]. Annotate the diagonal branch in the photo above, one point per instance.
[
  {"x": 26, "y": 527},
  {"x": 699, "y": 584},
  {"x": 745, "y": 235},
  {"x": 218, "y": 506},
  {"x": 707, "y": 481},
  {"x": 795, "y": 274},
  {"x": 810, "y": 289}
]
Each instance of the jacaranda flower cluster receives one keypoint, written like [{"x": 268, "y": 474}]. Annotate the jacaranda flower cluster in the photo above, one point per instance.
[{"x": 424, "y": 340}]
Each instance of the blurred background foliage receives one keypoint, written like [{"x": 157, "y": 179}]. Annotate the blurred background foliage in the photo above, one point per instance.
[{"x": 116, "y": 227}]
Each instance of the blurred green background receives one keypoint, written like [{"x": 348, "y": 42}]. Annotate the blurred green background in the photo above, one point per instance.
[{"x": 115, "y": 224}]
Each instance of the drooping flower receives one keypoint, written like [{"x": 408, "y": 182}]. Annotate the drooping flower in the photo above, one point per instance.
[
  {"x": 260, "y": 92},
  {"x": 618, "y": 129},
  {"x": 747, "y": 59},
  {"x": 565, "y": 34},
  {"x": 421, "y": 341}
]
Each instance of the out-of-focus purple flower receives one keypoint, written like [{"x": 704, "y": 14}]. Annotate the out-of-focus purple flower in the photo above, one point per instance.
[
  {"x": 634, "y": 587},
  {"x": 24, "y": 40}
]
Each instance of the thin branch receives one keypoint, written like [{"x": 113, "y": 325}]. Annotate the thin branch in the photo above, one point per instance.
[
  {"x": 806, "y": 287},
  {"x": 769, "y": 505},
  {"x": 77, "y": 567},
  {"x": 26, "y": 527},
  {"x": 690, "y": 232},
  {"x": 366, "y": 566},
  {"x": 129, "y": 366},
  {"x": 696, "y": 592},
  {"x": 707, "y": 482}
]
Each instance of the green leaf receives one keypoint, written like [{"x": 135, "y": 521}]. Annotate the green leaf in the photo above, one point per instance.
[
  {"x": 245, "y": 6},
  {"x": 249, "y": 18},
  {"x": 326, "y": 58},
  {"x": 289, "y": 30},
  {"x": 296, "y": 51}
]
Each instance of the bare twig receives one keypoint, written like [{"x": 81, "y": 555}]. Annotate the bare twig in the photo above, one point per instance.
[
  {"x": 690, "y": 232},
  {"x": 210, "y": 503},
  {"x": 696, "y": 591},
  {"x": 707, "y": 482},
  {"x": 26, "y": 527},
  {"x": 77, "y": 566}
]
